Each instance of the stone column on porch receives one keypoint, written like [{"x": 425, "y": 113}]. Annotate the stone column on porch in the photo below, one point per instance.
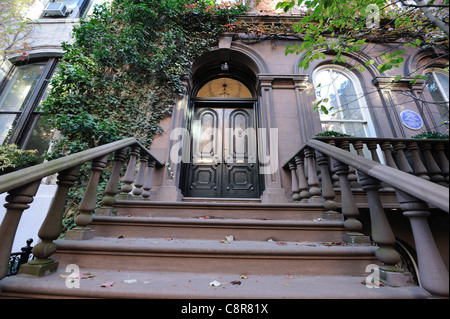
[
  {"x": 176, "y": 150},
  {"x": 268, "y": 145}
]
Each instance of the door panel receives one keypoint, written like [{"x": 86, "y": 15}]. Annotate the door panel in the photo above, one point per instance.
[
  {"x": 204, "y": 175},
  {"x": 223, "y": 155},
  {"x": 240, "y": 171}
]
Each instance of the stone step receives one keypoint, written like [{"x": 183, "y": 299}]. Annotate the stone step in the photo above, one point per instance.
[
  {"x": 221, "y": 200},
  {"x": 209, "y": 256},
  {"x": 207, "y": 227},
  {"x": 168, "y": 285},
  {"x": 236, "y": 210}
]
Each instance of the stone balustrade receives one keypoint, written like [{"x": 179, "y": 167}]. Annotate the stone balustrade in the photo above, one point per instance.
[
  {"x": 22, "y": 186},
  {"x": 416, "y": 169}
]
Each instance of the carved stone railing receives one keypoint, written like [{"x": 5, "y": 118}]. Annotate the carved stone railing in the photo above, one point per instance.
[
  {"x": 416, "y": 169},
  {"x": 23, "y": 185}
]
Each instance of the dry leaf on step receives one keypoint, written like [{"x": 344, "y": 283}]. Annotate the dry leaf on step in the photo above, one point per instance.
[{"x": 107, "y": 284}]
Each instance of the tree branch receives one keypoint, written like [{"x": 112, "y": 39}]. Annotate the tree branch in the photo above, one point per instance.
[
  {"x": 427, "y": 5},
  {"x": 438, "y": 23},
  {"x": 423, "y": 101}
]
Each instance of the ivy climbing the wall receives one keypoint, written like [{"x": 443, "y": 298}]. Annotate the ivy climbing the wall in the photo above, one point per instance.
[{"x": 122, "y": 73}]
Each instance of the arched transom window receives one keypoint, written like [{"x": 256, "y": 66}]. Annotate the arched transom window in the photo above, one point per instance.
[{"x": 224, "y": 88}]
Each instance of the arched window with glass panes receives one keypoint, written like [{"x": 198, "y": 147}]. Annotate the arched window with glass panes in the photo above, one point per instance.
[
  {"x": 437, "y": 83},
  {"x": 343, "y": 98}
]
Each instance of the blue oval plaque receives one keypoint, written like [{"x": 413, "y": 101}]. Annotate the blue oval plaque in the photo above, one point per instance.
[{"x": 411, "y": 120}]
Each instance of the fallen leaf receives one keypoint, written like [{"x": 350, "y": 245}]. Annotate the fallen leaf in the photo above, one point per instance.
[
  {"x": 281, "y": 244},
  {"x": 243, "y": 276},
  {"x": 224, "y": 242},
  {"x": 214, "y": 283},
  {"x": 334, "y": 243},
  {"x": 286, "y": 284},
  {"x": 107, "y": 284},
  {"x": 76, "y": 275},
  {"x": 169, "y": 238},
  {"x": 120, "y": 237},
  {"x": 289, "y": 276},
  {"x": 236, "y": 282}
]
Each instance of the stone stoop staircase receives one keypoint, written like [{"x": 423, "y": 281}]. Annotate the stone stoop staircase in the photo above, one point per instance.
[{"x": 184, "y": 250}]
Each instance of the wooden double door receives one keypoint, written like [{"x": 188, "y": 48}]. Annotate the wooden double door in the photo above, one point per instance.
[{"x": 223, "y": 158}]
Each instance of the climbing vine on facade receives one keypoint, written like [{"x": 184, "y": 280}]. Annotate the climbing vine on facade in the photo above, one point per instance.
[{"x": 121, "y": 75}]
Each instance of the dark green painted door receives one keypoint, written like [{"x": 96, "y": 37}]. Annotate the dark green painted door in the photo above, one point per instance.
[{"x": 223, "y": 154}]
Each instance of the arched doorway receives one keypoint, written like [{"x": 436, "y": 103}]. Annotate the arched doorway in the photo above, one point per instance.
[{"x": 222, "y": 125}]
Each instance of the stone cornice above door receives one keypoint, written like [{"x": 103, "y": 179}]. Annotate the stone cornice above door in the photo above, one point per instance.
[{"x": 283, "y": 81}]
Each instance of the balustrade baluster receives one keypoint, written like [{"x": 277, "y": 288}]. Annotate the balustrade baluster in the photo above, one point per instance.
[
  {"x": 359, "y": 145},
  {"x": 382, "y": 233},
  {"x": 433, "y": 169},
  {"x": 112, "y": 188},
  {"x": 51, "y": 227},
  {"x": 17, "y": 201},
  {"x": 345, "y": 145},
  {"x": 402, "y": 162},
  {"x": 128, "y": 179},
  {"x": 443, "y": 161},
  {"x": 383, "y": 236},
  {"x": 349, "y": 208},
  {"x": 328, "y": 193},
  {"x": 294, "y": 182},
  {"x": 87, "y": 204},
  {"x": 372, "y": 146},
  {"x": 386, "y": 148},
  {"x": 432, "y": 271},
  {"x": 313, "y": 180},
  {"x": 302, "y": 181},
  {"x": 140, "y": 178},
  {"x": 149, "y": 179},
  {"x": 334, "y": 177},
  {"x": 419, "y": 169}
]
